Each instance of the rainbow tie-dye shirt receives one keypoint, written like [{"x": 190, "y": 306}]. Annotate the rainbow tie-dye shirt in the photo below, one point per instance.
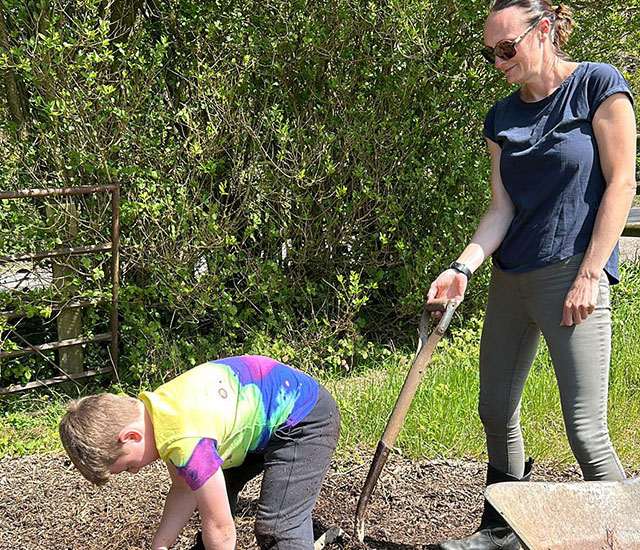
[{"x": 214, "y": 414}]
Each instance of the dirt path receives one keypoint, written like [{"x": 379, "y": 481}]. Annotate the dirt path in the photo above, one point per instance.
[
  {"x": 630, "y": 249},
  {"x": 46, "y": 504}
]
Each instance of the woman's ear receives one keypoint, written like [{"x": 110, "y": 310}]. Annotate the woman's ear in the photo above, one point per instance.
[{"x": 545, "y": 27}]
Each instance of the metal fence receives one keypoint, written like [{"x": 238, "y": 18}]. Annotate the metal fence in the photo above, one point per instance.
[{"x": 104, "y": 247}]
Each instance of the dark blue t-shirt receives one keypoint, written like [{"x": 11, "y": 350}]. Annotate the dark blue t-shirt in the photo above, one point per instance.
[{"x": 551, "y": 169}]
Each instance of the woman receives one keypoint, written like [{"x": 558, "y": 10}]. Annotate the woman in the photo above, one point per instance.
[{"x": 562, "y": 179}]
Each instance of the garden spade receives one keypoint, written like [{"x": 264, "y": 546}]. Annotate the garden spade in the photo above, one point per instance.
[{"x": 399, "y": 413}]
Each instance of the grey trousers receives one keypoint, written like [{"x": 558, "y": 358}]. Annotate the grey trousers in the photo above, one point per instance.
[
  {"x": 294, "y": 463},
  {"x": 520, "y": 308}
]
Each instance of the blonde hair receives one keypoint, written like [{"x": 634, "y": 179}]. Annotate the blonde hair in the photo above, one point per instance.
[
  {"x": 560, "y": 15},
  {"x": 90, "y": 431}
]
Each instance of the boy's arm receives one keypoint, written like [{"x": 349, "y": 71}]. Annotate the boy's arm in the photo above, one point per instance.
[
  {"x": 178, "y": 509},
  {"x": 218, "y": 528}
]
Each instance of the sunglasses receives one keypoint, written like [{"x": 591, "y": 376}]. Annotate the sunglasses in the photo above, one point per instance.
[{"x": 506, "y": 49}]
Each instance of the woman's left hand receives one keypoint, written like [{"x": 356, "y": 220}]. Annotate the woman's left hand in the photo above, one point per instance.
[{"x": 580, "y": 301}]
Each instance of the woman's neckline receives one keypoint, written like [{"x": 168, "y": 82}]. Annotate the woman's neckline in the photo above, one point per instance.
[{"x": 562, "y": 85}]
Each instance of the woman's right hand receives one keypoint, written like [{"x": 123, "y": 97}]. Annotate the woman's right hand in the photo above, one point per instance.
[{"x": 451, "y": 285}]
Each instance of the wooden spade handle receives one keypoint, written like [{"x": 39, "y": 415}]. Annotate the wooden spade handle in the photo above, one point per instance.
[
  {"x": 420, "y": 362},
  {"x": 439, "y": 304}
]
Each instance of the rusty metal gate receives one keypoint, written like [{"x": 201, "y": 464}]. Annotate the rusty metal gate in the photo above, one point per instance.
[{"x": 104, "y": 247}]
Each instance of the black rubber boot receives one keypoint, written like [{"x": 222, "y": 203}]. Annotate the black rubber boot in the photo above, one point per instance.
[{"x": 494, "y": 533}]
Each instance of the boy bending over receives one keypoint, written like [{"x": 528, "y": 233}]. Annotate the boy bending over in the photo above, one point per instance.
[{"x": 217, "y": 426}]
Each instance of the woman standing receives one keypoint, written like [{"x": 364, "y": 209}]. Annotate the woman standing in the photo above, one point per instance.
[{"x": 562, "y": 178}]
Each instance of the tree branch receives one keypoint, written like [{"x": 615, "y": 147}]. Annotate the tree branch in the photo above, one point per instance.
[{"x": 14, "y": 100}]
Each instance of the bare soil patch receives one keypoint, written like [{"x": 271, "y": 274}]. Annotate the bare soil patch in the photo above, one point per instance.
[
  {"x": 630, "y": 249},
  {"x": 45, "y": 503}
]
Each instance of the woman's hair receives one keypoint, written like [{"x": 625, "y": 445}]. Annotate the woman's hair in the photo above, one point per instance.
[
  {"x": 561, "y": 18},
  {"x": 90, "y": 432}
]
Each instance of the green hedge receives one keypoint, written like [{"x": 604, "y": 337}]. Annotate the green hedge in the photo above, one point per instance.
[{"x": 294, "y": 174}]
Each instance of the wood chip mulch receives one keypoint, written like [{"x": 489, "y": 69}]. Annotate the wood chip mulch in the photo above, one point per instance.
[{"x": 46, "y": 504}]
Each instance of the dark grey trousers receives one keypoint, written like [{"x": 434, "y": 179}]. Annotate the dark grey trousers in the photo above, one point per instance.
[
  {"x": 520, "y": 308},
  {"x": 294, "y": 463}
]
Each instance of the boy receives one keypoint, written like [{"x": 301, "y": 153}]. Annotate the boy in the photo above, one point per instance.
[{"x": 217, "y": 426}]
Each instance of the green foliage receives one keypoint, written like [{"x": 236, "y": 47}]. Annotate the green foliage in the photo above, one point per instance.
[
  {"x": 30, "y": 425},
  {"x": 292, "y": 173}
]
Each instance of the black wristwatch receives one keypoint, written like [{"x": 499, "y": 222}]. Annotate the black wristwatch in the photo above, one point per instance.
[{"x": 461, "y": 268}]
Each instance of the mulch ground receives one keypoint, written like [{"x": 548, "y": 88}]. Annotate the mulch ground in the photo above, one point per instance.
[{"x": 46, "y": 504}]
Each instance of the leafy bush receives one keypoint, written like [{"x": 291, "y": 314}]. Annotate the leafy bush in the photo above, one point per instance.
[{"x": 292, "y": 173}]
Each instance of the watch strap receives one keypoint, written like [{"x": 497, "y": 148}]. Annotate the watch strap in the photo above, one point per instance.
[{"x": 461, "y": 268}]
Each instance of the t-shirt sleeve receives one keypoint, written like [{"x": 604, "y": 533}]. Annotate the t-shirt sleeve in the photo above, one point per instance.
[
  {"x": 489, "y": 130},
  {"x": 196, "y": 460},
  {"x": 604, "y": 81}
]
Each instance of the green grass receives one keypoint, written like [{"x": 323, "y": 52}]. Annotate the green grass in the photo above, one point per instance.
[
  {"x": 29, "y": 424},
  {"x": 443, "y": 419},
  {"x": 447, "y": 393}
]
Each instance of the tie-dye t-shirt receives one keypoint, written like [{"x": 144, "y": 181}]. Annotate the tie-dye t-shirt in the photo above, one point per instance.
[{"x": 214, "y": 414}]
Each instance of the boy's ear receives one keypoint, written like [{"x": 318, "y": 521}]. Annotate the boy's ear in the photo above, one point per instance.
[{"x": 130, "y": 433}]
